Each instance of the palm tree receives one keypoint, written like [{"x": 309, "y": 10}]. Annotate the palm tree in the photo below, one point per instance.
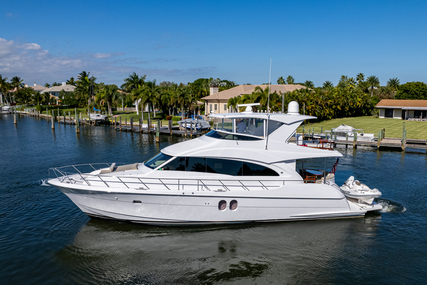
[
  {"x": 71, "y": 81},
  {"x": 393, "y": 83},
  {"x": 108, "y": 94},
  {"x": 17, "y": 82},
  {"x": 309, "y": 84},
  {"x": 290, "y": 80},
  {"x": 328, "y": 84},
  {"x": 4, "y": 87},
  {"x": 360, "y": 77},
  {"x": 131, "y": 83},
  {"x": 86, "y": 85},
  {"x": 233, "y": 102},
  {"x": 373, "y": 81},
  {"x": 281, "y": 80}
]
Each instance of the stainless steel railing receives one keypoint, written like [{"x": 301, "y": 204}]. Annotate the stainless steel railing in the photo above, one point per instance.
[{"x": 75, "y": 174}]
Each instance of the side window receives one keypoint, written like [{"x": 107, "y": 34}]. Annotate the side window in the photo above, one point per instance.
[
  {"x": 177, "y": 164},
  {"x": 251, "y": 169},
  {"x": 223, "y": 166},
  {"x": 197, "y": 164}
]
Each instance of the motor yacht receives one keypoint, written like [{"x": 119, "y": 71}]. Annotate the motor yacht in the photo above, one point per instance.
[{"x": 244, "y": 170}]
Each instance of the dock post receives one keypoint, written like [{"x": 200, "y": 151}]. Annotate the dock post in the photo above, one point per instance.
[
  {"x": 185, "y": 128},
  {"x": 77, "y": 122},
  {"x": 321, "y": 129},
  {"x": 63, "y": 113},
  {"x": 404, "y": 137},
  {"x": 52, "y": 119},
  {"x": 58, "y": 116},
  {"x": 354, "y": 139},
  {"x": 47, "y": 115},
  {"x": 191, "y": 128},
  {"x": 140, "y": 124},
  {"x": 120, "y": 123},
  {"x": 14, "y": 116},
  {"x": 158, "y": 131},
  {"x": 170, "y": 126},
  {"x": 69, "y": 117},
  {"x": 126, "y": 123},
  {"x": 346, "y": 140},
  {"x": 131, "y": 124}
]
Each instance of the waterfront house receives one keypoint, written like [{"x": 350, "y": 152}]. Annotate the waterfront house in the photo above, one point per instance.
[
  {"x": 403, "y": 109},
  {"x": 37, "y": 88},
  {"x": 217, "y": 101},
  {"x": 55, "y": 90}
]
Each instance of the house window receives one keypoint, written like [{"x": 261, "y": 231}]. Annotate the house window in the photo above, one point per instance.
[
  {"x": 389, "y": 113},
  {"x": 225, "y": 107},
  {"x": 216, "y": 107},
  {"x": 210, "y": 107},
  {"x": 417, "y": 114}
]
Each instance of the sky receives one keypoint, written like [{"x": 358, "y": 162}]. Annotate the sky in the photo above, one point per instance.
[{"x": 181, "y": 41}]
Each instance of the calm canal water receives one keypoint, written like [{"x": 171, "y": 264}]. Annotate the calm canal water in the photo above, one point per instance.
[{"x": 46, "y": 239}]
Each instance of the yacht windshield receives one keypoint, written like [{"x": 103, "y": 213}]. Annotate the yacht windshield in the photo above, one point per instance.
[
  {"x": 227, "y": 136},
  {"x": 157, "y": 160}
]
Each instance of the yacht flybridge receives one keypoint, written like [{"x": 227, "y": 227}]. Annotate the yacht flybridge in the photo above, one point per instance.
[{"x": 244, "y": 170}]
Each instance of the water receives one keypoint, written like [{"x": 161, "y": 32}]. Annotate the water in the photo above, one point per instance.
[{"x": 46, "y": 239}]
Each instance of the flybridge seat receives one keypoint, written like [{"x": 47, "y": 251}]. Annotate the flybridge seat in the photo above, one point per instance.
[{"x": 114, "y": 168}]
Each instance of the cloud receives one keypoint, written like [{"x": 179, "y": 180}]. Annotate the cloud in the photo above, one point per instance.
[
  {"x": 9, "y": 15},
  {"x": 32, "y": 46},
  {"x": 33, "y": 63}
]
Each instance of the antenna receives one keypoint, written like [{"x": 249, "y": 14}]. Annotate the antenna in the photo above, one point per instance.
[{"x": 269, "y": 90}]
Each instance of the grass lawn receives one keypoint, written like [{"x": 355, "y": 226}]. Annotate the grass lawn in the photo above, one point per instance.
[{"x": 393, "y": 127}]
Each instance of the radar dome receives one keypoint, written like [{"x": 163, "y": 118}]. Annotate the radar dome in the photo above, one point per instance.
[{"x": 293, "y": 108}]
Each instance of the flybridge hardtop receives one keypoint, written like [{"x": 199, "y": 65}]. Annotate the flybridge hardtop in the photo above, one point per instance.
[
  {"x": 244, "y": 170},
  {"x": 251, "y": 136}
]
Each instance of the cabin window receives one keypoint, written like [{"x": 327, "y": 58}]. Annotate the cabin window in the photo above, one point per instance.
[
  {"x": 219, "y": 166},
  {"x": 226, "y": 136},
  {"x": 252, "y": 169},
  {"x": 177, "y": 164},
  {"x": 157, "y": 160},
  {"x": 273, "y": 125},
  {"x": 197, "y": 164},
  {"x": 224, "y": 166}
]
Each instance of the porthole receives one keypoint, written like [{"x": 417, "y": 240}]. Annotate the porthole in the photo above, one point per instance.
[
  {"x": 233, "y": 205},
  {"x": 222, "y": 205}
]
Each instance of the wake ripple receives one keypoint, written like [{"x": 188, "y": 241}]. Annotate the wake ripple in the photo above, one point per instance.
[{"x": 390, "y": 206}]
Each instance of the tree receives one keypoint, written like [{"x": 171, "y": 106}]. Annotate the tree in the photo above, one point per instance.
[
  {"x": 133, "y": 82},
  {"x": 412, "y": 91},
  {"x": 373, "y": 81},
  {"x": 71, "y": 81},
  {"x": 309, "y": 84},
  {"x": 328, "y": 84},
  {"x": 86, "y": 87},
  {"x": 233, "y": 102},
  {"x": 281, "y": 80},
  {"x": 290, "y": 80},
  {"x": 4, "y": 86},
  {"x": 16, "y": 82},
  {"x": 108, "y": 94},
  {"x": 393, "y": 83},
  {"x": 360, "y": 77}
]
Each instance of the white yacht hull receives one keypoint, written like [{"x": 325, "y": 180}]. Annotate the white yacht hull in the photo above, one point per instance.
[{"x": 188, "y": 208}]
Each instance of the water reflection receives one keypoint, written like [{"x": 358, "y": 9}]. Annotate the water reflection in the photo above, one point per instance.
[{"x": 290, "y": 252}]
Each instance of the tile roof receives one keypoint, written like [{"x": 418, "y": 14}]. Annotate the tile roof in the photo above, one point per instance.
[
  {"x": 66, "y": 88},
  {"x": 248, "y": 89},
  {"x": 401, "y": 103}
]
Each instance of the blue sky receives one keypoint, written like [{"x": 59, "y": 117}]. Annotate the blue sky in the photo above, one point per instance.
[{"x": 181, "y": 41}]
